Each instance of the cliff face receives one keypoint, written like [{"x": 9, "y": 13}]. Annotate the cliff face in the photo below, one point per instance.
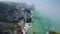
[{"x": 11, "y": 12}]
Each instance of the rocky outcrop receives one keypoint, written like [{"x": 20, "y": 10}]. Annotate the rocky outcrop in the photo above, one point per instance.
[
  {"x": 14, "y": 12},
  {"x": 10, "y": 14}
]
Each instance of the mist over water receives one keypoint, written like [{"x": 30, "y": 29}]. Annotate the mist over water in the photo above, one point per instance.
[{"x": 49, "y": 8}]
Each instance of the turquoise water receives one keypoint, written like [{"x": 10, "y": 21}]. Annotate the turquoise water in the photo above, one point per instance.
[{"x": 40, "y": 24}]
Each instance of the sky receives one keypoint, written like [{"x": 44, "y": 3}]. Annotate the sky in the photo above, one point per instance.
[{"x": 50, "y": 8}]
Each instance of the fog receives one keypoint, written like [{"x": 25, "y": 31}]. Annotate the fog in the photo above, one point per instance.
[{"x": 50, "y": 8}]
